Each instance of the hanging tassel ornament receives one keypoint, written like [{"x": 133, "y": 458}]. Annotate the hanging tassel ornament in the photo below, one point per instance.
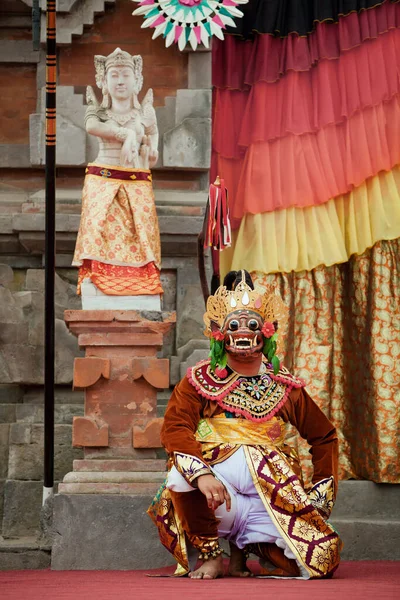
[
  {"x": 216, "y": 234},
  {"x": 217, "y": 225}
]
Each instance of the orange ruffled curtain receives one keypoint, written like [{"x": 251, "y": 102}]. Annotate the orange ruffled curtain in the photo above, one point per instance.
[
  {"x": 328, "y": 234},
  {"x": 267, "y": 58},
  {"x": 306, "y": 136}
]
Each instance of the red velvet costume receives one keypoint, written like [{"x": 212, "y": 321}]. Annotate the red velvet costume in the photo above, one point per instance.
[{"x": 210, "y": 417}]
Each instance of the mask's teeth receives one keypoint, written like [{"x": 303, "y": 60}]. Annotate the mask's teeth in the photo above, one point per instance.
[
  {"x": 255, "y": 341},
  {"x": 232, "y": 341}
]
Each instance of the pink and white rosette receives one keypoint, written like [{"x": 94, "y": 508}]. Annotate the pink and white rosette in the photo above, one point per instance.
[{"x": 191, "y": 22}]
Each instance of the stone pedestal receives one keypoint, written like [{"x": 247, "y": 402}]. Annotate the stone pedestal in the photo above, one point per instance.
[{"x": 120, "y": 434}]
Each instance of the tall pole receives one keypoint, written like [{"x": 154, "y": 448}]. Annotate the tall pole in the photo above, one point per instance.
[{"x": 49, "y": 355}]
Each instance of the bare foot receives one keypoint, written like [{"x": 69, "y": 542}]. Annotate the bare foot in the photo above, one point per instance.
[
  {"x": 210, "y": 569},
  {"x": 237, "y": 563}
]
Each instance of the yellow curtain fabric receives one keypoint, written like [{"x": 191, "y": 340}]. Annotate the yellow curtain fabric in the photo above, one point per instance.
[
  {"x": 298, "y": 239},
  {"x": 343, "y": 338}
]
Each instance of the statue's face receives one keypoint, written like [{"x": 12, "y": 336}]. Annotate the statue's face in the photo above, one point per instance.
[
  {"x": 242, "y": 332},
  {"x": 120, "y": 82}
]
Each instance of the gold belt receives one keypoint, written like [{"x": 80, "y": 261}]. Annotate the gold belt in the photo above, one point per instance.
[{"x": 220, "y": 430}]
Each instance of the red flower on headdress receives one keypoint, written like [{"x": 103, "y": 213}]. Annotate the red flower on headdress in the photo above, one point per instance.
[
  {"x": 268, "y": 329},
  {"x": 218, "y": 335}
]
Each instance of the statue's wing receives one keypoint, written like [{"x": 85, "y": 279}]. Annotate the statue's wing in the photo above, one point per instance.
[
  {"x": 91, "y": 97},
  {"x": 148, "y": 99},
  {"x": 148, "y": 112}
]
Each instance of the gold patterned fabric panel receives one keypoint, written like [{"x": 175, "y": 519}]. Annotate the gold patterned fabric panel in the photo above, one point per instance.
[
  {"x": 315, "y": 544},
  {"x": 220, "y": 437},
  {"x": 190, "y": 467},
  {"x": 322, "y": 496},
  {"x": 119, "y": 224},
  {"x": 344, "y": 339},
  {"x": 311, "y": 538},
  {"x": 172, "y": 536},
  {"x": 241, "y": 431}
]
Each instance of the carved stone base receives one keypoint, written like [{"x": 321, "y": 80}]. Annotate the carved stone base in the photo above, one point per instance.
[
  {"x": 100, "y": 509},
  {"x": 120, "y": 375},
  {"x": 94, "y": 299},
  {"x": 105, "y": 532}
]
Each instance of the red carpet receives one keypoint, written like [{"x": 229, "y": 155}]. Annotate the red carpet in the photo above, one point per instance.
[{"x": 353, "y": 580}]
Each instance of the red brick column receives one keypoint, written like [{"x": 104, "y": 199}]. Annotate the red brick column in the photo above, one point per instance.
[{"x": 120, "y": 374}]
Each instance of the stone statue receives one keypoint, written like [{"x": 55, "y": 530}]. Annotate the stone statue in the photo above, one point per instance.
[{"x": 118, "y": 245}]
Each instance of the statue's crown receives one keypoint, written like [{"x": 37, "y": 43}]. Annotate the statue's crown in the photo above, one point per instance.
[
  {"x": 224, "y": 302},
  {"x": 119, "y": 58}
]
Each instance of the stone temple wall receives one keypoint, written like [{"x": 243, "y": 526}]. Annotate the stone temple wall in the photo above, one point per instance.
[{"x": 182, "y": 89}]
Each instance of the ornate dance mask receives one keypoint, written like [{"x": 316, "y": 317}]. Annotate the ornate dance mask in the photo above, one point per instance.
[{"x": 244, "y": 323}]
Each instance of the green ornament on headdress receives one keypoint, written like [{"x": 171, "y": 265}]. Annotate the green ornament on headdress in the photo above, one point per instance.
[
  {"x": 217, "y": 354},
  {"x": 269, "y": 351}
]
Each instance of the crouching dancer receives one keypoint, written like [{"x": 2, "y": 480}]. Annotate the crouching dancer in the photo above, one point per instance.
[{"x": 231, "y": 475}]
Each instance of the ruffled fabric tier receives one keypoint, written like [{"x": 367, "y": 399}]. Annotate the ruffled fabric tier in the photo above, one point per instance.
[
  {"x": 304, "y": 102},
  {"x": 300, "y": 239},
  {"x": 310, "y": 169},
  {"x": 238, "y": 65},
  {"x": 282, "y": 17}
]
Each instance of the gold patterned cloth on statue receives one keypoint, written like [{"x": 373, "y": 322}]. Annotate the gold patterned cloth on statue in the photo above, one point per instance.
[{"x": 118, "y": 244}]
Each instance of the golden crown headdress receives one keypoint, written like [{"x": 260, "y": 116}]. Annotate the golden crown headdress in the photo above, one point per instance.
[
  {"x": 119, "y": 58},
  {"x": 224, "y": 302}
]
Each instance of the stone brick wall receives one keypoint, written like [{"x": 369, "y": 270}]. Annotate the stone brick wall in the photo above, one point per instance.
[
  {"x": 18, "y": 101},
  {"x": 165, "y": 69},
  {"x": 181, "y": 83},
  {"x": 21, "y": 395}
]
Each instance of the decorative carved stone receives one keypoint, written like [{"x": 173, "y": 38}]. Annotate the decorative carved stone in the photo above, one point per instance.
[
  {"x": 85, "y": 432},
  {"x": 120, "y": 374},
  {"x": 149, "y": 436},
  {"x": 87, "y": 371}
]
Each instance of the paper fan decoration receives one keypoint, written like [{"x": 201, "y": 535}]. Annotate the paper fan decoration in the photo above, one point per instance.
[{"x": 188, "y": 21}]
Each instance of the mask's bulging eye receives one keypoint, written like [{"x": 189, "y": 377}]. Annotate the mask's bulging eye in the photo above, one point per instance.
[
  {"x": 234, "y": 325},
  {"x": 253, "y": 325}
]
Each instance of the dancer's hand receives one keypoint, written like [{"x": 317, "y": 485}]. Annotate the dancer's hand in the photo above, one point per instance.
[{"x": 215, "y": 492}]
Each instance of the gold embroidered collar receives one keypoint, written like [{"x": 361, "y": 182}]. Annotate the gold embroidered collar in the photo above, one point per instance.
[{"x": 257, "y": 398}]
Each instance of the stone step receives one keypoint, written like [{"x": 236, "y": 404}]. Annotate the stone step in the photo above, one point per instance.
[
  {"x": 174, "y": 197},
  {"x": 75, "y": 547},
  {"x": 127, "y": 465},
  {"x": 101, "y": 489},
  {"x": 368, "y": 539},
  {"x": 23, "y": 553},
  {"x": 72, "y": 23},
  {"x": 366, "y": 499},
  {"x": 115, "y": 477}
]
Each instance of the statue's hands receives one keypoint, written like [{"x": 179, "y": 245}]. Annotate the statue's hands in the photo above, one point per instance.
[
  {"x": 215, "y": 492},
  {"x": 148, "y": 154},
  {"x": 128, "y": 155},
  {"x": 153, "y": 157},
  {"x": 144, "y": 152}
]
